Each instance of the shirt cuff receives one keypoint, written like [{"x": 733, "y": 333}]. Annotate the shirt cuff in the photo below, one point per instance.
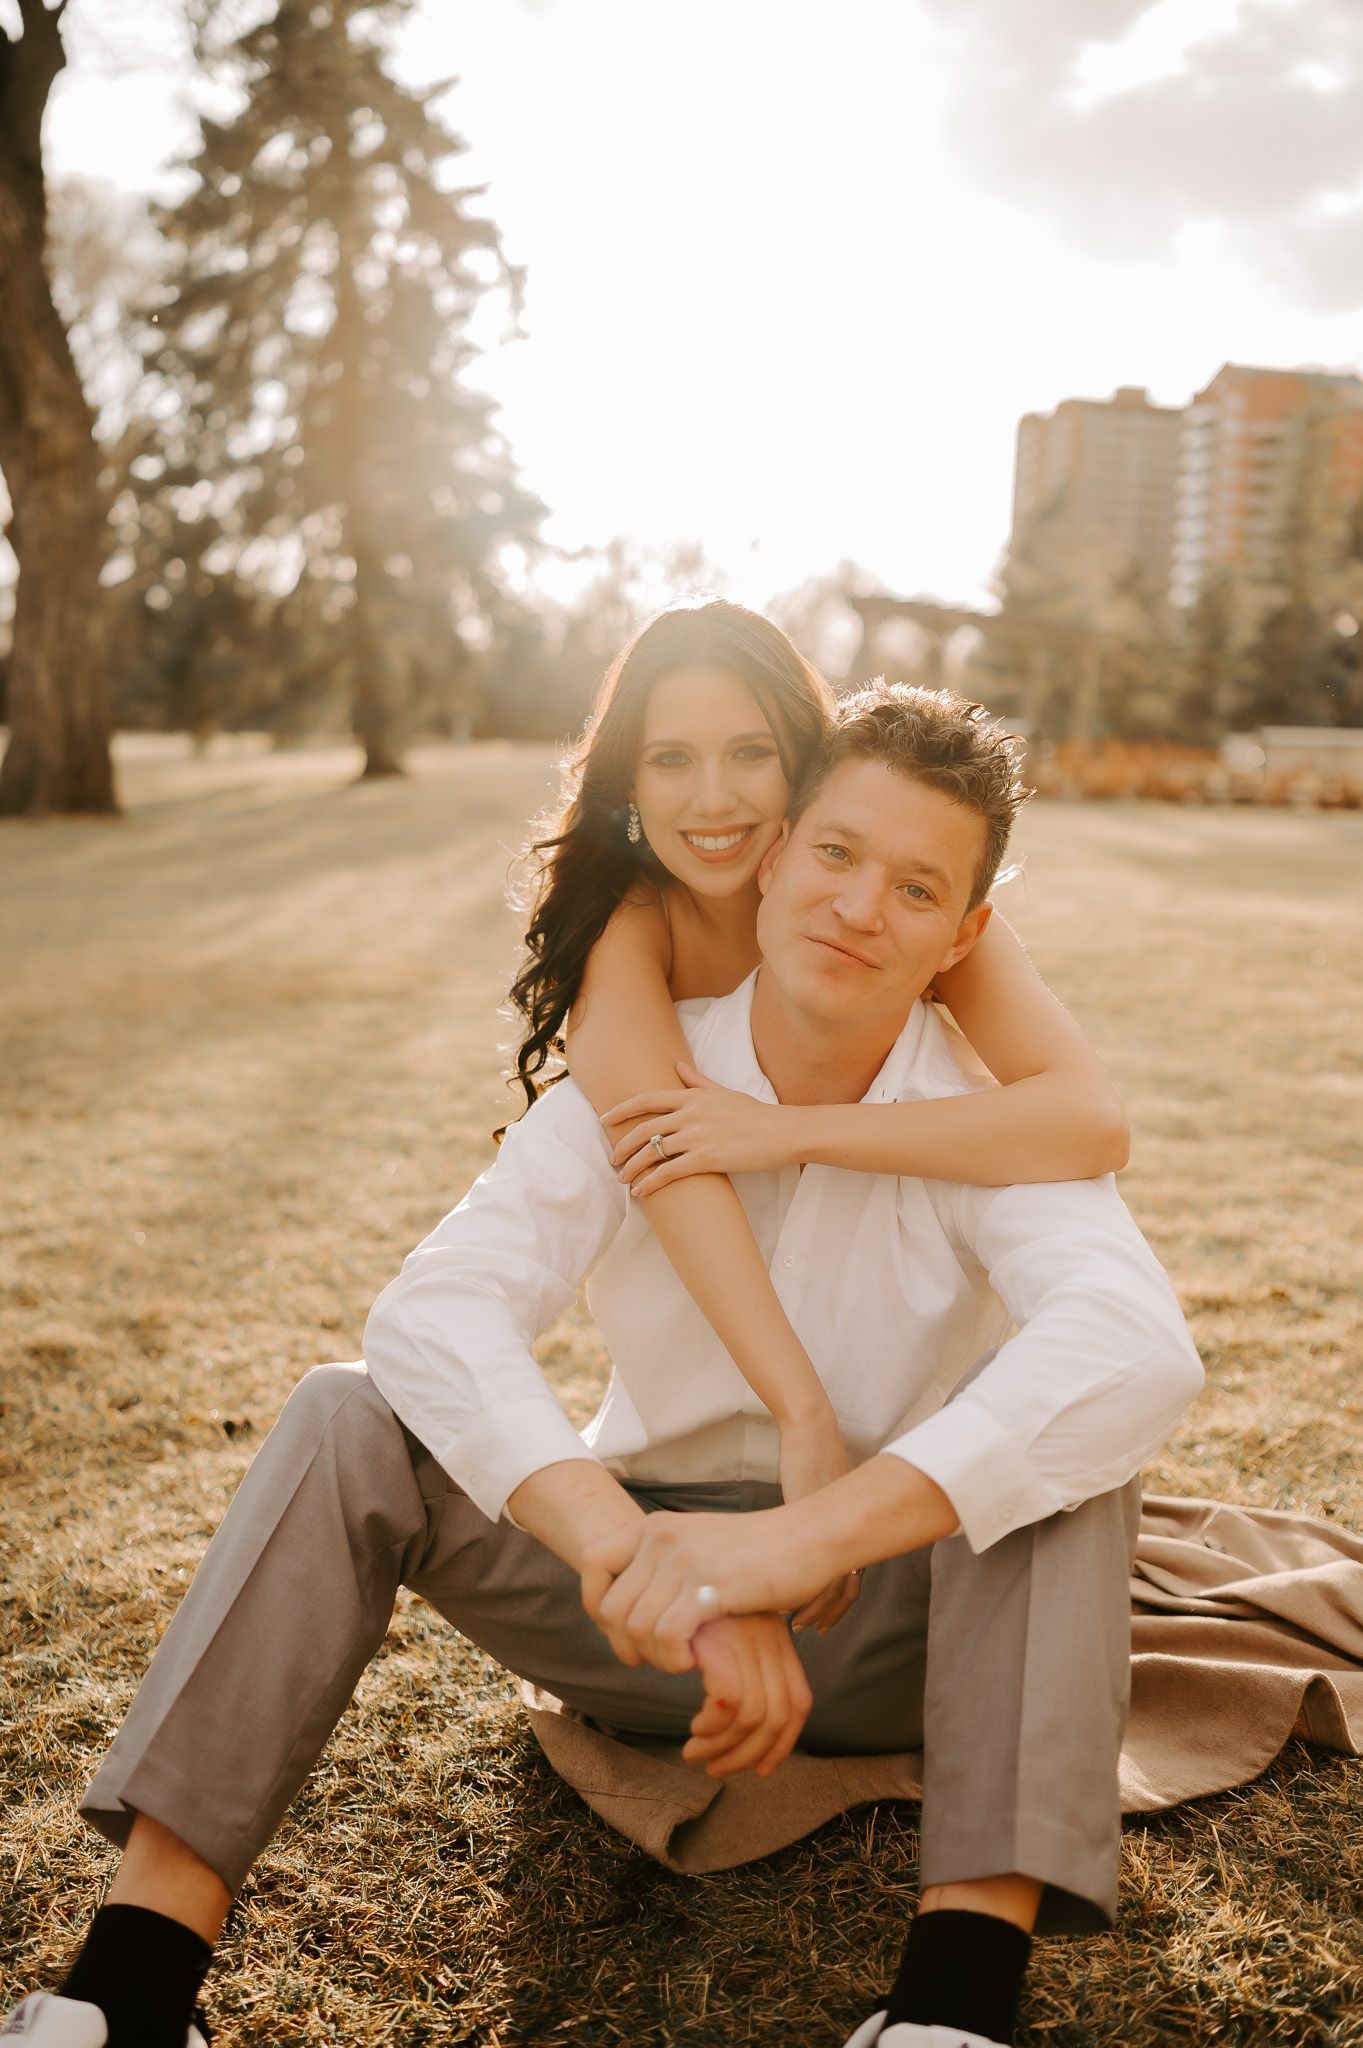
[
  {"x": 490, "y": 1459},
  {"x": 982, "y": 1470}
]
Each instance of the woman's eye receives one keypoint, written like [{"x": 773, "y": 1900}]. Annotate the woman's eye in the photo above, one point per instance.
[
  {"x": 756, "y": 752},
  {"x": 669, "y": 760}
]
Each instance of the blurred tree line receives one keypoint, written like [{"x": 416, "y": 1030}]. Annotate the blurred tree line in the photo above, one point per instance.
[
  {"x": 1282, "y": 645},
  {"x": 298, "y": 514},
  {"x": 253, "y": 486}
]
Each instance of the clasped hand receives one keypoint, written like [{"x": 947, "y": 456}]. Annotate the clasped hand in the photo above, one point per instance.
[
  {"x": 642, "y": 1585},
  {"x": 704, "y": 1129}
]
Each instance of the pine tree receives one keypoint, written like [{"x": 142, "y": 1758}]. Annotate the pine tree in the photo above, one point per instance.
[
  {"x": 1140, "y": 694},
  {"x": 1348, "y": 621},
  {"x": 1209, "y": 663},
  {"x": 308, "y": 433},
  {"x": 1297, "y": 667}
]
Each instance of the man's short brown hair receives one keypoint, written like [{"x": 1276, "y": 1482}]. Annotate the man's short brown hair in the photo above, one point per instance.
[{"x": 933, "y": 737}]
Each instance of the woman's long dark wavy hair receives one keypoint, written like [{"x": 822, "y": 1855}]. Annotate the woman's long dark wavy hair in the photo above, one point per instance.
[{"x": 583, "y": 865}]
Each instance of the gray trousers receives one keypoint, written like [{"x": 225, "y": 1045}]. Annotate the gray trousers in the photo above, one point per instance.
[{"x": 1011, "y": 1669}]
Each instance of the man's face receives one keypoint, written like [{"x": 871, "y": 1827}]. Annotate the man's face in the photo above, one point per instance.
[{"x": 865, "y": 899}]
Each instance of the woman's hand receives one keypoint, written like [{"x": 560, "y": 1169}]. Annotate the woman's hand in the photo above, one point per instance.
[
  {"x": 704, "y": 1129},
  {"x": 813, "y": 1455}
]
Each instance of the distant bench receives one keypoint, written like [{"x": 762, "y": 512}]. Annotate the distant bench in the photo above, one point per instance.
[{"x": 1304, "y": 761}]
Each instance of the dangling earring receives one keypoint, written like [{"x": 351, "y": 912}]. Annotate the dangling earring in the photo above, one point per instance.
[{"x": 634, "y": 831}]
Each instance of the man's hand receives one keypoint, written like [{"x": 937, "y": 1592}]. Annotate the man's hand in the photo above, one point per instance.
[
  {"x": 652, "y": 1588},
  {"x": 643, "y": 1583},
  {"x": 757, "y": 1697},
  {"x": 756, "y": 1694},
  {"x": 704, "y": 1129}
]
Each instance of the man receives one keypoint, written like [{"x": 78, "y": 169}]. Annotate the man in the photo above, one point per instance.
[{"x": 996, "y": 1474}]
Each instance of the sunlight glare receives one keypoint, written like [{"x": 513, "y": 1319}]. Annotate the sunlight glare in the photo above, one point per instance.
[
  {"x": 1154, "y": 47},
  {"x": 1319, "y": 76}
]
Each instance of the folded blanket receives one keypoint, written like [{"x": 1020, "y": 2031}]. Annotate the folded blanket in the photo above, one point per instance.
[{"x": 1246, "y": 1629}]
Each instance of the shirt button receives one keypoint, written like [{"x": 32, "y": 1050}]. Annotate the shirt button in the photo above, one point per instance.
[{"x": 789, "y": 1259}]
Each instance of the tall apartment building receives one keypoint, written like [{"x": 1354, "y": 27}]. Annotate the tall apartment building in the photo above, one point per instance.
[
  {"x": 1116, "y": 460},
  {"x": 1252, "y": 441}
]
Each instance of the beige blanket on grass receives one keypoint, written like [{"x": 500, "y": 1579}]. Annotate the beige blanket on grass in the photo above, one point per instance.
[{"x": 1246, "y": 1629}]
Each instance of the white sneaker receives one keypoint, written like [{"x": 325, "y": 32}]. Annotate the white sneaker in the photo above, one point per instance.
[
  {"x": 874, "y": 2033},
  {"x": 46, "y": 2021},
  {"x": 868, "y": 2033}
]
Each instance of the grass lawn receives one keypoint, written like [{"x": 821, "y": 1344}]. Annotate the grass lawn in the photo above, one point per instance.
[{"x": 248, "y": 1056}]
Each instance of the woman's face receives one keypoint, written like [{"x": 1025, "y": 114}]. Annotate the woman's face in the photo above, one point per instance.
[{"x": 710, "y": 787}]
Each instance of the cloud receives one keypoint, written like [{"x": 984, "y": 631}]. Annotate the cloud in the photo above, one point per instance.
[{"x": 1255, "y": 126}]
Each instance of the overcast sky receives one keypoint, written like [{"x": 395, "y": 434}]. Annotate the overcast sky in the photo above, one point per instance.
[{"x": 793, "y": 271}]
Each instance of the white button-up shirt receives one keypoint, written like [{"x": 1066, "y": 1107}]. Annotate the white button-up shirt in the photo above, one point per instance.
[{"x": 896, "y": 1287}]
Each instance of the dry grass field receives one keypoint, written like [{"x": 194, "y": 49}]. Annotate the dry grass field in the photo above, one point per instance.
[{"x": 248, "y": 1055}]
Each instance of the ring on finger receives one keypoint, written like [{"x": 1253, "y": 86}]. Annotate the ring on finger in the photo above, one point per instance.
[{"x": 656, "y": 1142}]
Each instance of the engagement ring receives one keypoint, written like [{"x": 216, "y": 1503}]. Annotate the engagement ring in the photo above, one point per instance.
[{"x": 656, "y": 1142}]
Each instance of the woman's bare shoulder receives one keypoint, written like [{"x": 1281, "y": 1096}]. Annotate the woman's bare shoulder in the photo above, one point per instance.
[
  {"x": 624, "y": 987},
  {"x": 639, "y": 926}
]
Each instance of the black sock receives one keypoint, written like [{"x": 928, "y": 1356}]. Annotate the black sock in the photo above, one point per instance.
[
  {"x": 962, "y": 1970},
  {"x": 143, "y": 1971}
]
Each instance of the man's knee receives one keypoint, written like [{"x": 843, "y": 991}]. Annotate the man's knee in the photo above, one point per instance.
[
  {"x": 1084, "y": 1553},
  {"x": 337, "y": 1428},
  {"x": 1103, "y": 1529},
  {"x": 343, "y": 1401},
  {"x": 1100, "y": 1531}
]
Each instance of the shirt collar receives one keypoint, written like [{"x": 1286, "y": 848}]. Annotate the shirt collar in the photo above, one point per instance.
[{"x": 730, "y": 1038}]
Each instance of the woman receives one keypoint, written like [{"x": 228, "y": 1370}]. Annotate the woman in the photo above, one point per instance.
[{"x": 647, "y": 894}]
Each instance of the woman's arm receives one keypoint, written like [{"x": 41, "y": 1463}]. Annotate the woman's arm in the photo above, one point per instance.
[
  {"x": 624, "y": 1036},
  {"x": 1056, "y": 1116}
]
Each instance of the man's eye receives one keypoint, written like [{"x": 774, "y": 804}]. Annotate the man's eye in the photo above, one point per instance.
[
  {"x": 834, "y": 852},
  {"x": 918, "y": 892}
]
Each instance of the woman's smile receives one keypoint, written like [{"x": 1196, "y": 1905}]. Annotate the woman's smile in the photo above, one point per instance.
[{"x": 718, "y": 846}]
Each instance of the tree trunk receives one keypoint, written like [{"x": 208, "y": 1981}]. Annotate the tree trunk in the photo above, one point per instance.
[
  {"x": 372, "y": 716},
  {"x": 371, "y": 695},
  {"x": 1084, "y": 704},
  {"x": 379, "y": 758},
  {"x": 1037, "y": 688},
  {"x": 58, "y": 753}
]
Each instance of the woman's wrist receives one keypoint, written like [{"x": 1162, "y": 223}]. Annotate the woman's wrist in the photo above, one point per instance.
[
  {"x": 782, "y": 1374},
  {"x": 799, "y": 1134},
  {"x": 806, "y": 1414},
  {"x": 820, "y": 1135}
]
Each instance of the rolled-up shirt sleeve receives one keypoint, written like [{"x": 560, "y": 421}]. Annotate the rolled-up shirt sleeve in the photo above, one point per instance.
[
  {"x": 448, "y": 1343},
  {"x": 1099, "y": 1371}
]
